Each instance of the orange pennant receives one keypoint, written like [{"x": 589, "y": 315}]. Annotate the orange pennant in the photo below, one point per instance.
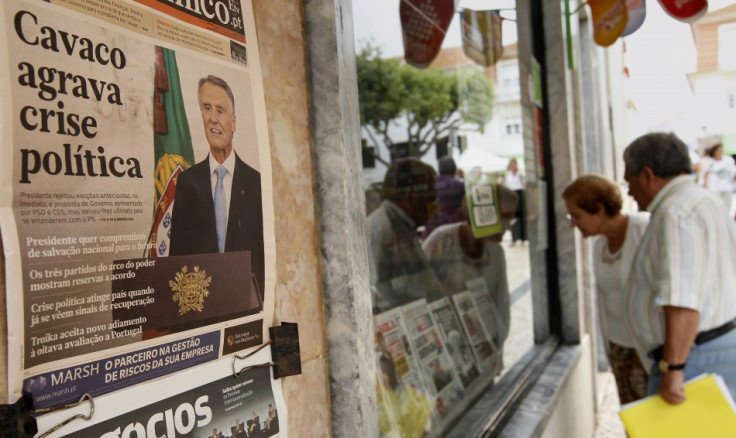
[{"x": 609, "y": 20}]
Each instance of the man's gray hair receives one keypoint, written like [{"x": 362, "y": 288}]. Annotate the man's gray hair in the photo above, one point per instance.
[
  {"x": 662, "y": 152},
  {"x": 219, "y": 82}
]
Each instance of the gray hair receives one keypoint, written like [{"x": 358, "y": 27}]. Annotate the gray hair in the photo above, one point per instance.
[
  {"x": 219, "y": 82},
  {"x": 662, "y": 152}
]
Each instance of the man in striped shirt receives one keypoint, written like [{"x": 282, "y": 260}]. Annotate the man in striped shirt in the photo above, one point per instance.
[{"x": 682, "y": 304}]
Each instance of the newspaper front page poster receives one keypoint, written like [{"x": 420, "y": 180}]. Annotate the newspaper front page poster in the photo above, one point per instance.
[
  {"x": 192, "y": 403},
  {"x": 136, "y": 208}
]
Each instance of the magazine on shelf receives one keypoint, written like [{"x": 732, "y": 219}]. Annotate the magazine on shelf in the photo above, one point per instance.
[
  {"x": 483, "y": 346},
  {"x": 438, "y": 370},
  {"x": 457, "y": 344}
]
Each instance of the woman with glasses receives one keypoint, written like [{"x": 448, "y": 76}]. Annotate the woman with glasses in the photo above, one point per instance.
[{"x": 594, "y": 207}]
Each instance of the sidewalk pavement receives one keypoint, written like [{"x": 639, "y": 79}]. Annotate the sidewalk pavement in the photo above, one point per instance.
[{"x": 608, "y": 425}]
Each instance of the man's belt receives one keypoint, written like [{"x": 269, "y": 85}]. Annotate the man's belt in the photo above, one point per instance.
[
  {"x": 711, "y": 334},
  {"x": 700, "y": 339}
]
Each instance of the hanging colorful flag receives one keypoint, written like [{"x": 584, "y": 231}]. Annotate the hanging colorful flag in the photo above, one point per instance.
[
  {"x": 482, "y": 36},
  {"x": 609, "y": 20},
  {"x": 637, "y": 12},
  {"x": 423, "y": 27},
  {"x": 172, "y": 145},
  {"x": 685, "y": 10}
]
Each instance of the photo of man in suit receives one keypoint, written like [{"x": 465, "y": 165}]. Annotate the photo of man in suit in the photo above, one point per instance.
[
  {"x": 254, "y": 427},
  {"x": 217, "y": 203}
]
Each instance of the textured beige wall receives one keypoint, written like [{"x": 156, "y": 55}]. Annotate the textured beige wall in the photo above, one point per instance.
[{"x": 298, "y": 282}]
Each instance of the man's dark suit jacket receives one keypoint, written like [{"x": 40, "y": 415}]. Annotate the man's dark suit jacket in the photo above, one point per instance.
[
  {"x": 238, "y": 431},
  {"x": 193, "y": 228}
]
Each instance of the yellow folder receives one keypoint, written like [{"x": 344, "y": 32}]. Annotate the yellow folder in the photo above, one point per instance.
[{"x": 708, "y": 412}]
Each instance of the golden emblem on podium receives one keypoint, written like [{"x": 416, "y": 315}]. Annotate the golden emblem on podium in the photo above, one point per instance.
[{"x": 190, "y": 289}]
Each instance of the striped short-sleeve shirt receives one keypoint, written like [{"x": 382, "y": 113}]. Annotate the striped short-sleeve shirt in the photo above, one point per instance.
[{"x": 686, "y": 258}]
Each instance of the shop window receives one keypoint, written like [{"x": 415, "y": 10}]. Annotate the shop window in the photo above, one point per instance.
[
  {"x": 444, "y": 300},
  {"x": 450, "y": 278},
  {"x": 454, "y": 320}
]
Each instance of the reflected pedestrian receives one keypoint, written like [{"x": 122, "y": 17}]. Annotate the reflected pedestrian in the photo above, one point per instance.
[
  {"x": 459, "y": 258},
  {"x": 450, "y": 192},
  {"x": 399, "y": 271},
  {"x": 515, "y": 181}
]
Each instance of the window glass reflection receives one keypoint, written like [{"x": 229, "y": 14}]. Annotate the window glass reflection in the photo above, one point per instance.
[
  {"x": 440, "y": 289},
  {"x": 450, "y": 286}
]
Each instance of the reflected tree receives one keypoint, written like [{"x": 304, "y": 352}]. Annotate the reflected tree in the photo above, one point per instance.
[{"x": 405, "y": 107}]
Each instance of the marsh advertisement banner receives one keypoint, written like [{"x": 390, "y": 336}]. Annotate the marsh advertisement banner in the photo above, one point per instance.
[
  {"x": 119, "y": 238},
  {"x": 67, "y": 385}
]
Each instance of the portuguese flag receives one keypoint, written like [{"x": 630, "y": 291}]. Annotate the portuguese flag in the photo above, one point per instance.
[{"x": 172, "y": 145}]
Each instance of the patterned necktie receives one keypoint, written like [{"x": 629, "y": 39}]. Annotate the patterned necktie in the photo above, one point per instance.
[{"x": 220, "y": 210}]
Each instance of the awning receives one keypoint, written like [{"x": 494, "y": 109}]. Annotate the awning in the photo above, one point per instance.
[{"x": 474, "y": 156}]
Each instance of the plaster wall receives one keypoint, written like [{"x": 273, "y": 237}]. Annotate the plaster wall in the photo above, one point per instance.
[{"x": 298, "y": 282}]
